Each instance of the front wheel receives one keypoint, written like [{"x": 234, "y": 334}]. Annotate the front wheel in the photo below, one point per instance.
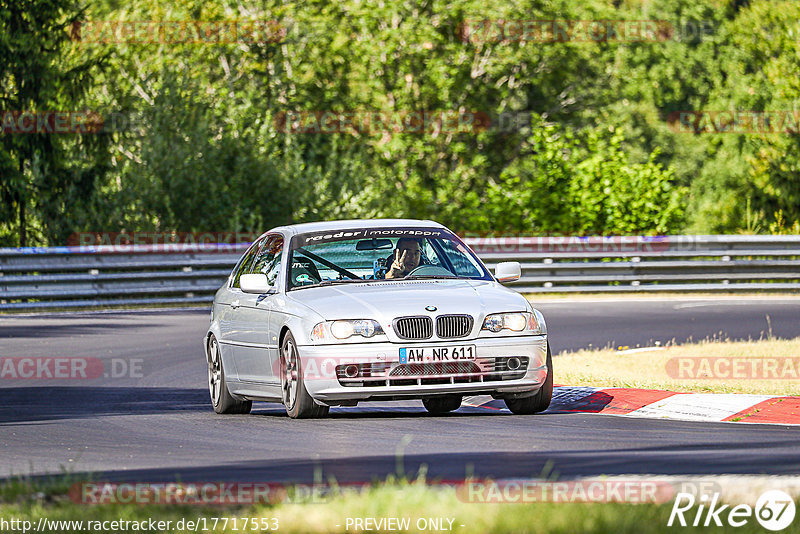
[
  {"x": 296, "y": 400},
  {"x": 539, "y": 402},
  {"x": 221, "y": 398}
]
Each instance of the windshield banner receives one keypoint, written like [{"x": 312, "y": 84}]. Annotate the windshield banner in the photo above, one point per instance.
[{"x": 327, "y": 236}]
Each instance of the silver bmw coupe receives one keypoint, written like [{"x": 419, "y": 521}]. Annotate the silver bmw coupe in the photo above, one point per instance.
[{"x": 335, "y": 313}]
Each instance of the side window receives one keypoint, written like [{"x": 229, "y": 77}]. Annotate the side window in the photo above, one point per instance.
[
  {"x": 268, "y": 259},
  {"x": 245, "y": 262}
]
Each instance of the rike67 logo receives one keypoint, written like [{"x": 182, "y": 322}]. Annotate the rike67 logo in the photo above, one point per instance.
[{"x": 774, "y": 510}]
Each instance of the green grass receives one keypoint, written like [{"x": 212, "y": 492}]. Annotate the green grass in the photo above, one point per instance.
[
  {"x": 415, "y": 501},
  {"x": 48, "y": 488},
  {"x": 657, "y": 369}
]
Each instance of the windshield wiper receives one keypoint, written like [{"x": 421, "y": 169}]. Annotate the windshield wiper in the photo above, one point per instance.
[
  {"x": 332, "y": 282},
  {"x": 434, "y": 276},
  {"x": 341, "y": 281}
]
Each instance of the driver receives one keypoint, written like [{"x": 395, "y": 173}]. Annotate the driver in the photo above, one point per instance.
[{"x": 407, "y": 257}]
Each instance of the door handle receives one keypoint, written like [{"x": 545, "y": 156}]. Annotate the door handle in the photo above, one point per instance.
[{"x": 235, "y": 304}]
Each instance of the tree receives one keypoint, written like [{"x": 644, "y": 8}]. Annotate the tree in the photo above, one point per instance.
[{"x": 47, "y": 179}]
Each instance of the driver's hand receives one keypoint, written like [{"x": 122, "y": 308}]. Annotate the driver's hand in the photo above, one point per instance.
[{"x": 399, "y": 265}]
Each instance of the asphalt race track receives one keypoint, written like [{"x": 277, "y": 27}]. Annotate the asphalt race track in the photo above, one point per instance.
[{"x": 159, "y": 426}]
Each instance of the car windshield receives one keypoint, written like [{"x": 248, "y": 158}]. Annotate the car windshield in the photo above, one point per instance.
[{"x": 359, "y": 255}]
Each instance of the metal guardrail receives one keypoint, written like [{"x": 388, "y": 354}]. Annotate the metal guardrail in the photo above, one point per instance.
[{"x": 87, "y": 276}]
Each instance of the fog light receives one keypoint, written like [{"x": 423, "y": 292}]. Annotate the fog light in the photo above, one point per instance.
[
  {"x": 513, "y": 364},
  {"x": 351, "y": 371}
]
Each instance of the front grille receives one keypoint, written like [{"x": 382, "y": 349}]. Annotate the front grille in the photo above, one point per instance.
[
  {"x": 453, "y": 326},
  {"x": 433, "y": 369},
  {"x": 413, "y": 327},
  {"x": 378, "y": 374}
]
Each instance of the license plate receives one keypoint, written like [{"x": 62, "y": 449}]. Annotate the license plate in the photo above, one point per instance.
[{"x": 453, "y": 353}]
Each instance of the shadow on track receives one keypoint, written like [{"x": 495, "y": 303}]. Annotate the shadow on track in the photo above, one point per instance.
[
  {"x": 554, "y": 465},
  {"x": 89, "y": 327},
  {"x": 382, "y": 410},
  {"x": 31, "y": 404},
  {"x": 23, "y": 405}
]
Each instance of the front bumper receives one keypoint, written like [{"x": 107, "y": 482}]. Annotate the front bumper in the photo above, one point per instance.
[{"x": 383, "y": 376}]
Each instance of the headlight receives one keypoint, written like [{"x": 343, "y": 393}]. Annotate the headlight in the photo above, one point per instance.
[
  {"x": 338, "y": 330},
  {"x": 516, "y": 322}
]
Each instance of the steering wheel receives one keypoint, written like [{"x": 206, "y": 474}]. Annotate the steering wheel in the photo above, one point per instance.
[{"x": 430, "y": 270}]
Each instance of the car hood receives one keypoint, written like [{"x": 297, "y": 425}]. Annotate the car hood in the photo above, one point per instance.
[{"x": 385, "y": 300}]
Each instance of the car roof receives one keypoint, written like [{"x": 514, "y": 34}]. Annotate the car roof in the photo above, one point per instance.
[{"x": 322, "y": 226}]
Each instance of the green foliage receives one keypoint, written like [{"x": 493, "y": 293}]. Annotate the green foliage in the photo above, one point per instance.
[
  {"x": 46, "y": 180},
  {"x": 208, "y": 154},
  {"x": 758, "y": 174},
  {"x": 576, "y": 185}
]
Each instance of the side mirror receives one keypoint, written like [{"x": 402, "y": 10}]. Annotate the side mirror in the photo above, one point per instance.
[
  {"x": 507, "y": 271},
  {"x": 254, "y": 283}
]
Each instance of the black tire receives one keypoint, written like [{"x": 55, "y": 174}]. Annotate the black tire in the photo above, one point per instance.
[
  {"x": 443, "y": 404},
  {"x": 296, "y": 400},
  {"x": 221, "y": 398},
  {"x": 539, "y": 402}
]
